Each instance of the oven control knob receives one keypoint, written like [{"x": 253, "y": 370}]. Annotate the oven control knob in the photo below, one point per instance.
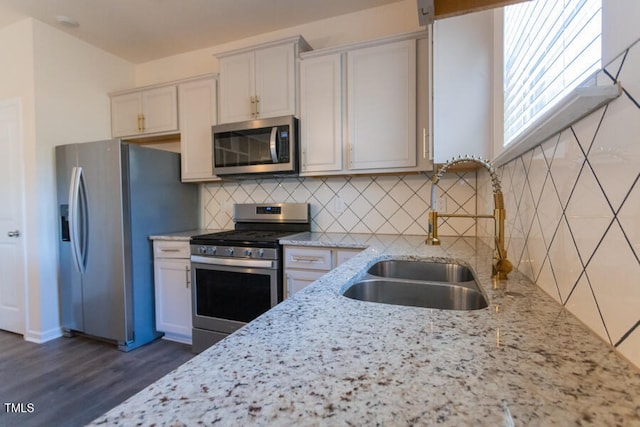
[
  {"x": 247, "y": 252},
  {"x": 212, "y": 250},
  {"x": 230, "y": 251},
  {"x": 202, "y": 250},
  {"x": 260, "y": 253}
]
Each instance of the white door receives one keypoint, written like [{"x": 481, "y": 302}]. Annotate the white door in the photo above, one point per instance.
[{"x": 12, "y": 286}]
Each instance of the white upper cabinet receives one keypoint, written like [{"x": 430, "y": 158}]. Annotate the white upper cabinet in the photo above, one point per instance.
[
  {"x": 381, "y": 100},
  {"x": 198, "y": 112},
  {"x": 237, "y": 87},
  {"x": 259, "y": 82},
  {"x": 144, "y": 112},
  {"x": 365, "y": 108},
  {"x": 321, "y": 113},
  {"x": 463, "y": 86}
]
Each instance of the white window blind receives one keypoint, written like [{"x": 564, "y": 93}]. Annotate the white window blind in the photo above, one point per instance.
[{"x": 550, "y": 47}]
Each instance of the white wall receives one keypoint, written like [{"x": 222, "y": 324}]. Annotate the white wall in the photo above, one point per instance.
[
  {"x": 619, "y": 27},
  {"x": 63, "y": 84},
  {"x": 369, "y": 24}
]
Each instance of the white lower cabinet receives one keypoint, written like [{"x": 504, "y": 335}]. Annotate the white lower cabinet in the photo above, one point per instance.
[
  {"x": 172, "y": 276},
  {"x": 304, "y": 265}
]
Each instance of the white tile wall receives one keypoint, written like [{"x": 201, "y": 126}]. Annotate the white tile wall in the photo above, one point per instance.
[
  {"x": 573, "y": 213},
  {"x": 367, "y": 204}
]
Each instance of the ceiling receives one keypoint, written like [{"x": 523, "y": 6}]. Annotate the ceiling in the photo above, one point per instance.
[{"x": 143, "y": 30}]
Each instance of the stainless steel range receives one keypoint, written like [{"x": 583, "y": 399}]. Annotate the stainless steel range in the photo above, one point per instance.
[{"x": 237, "y": 274}]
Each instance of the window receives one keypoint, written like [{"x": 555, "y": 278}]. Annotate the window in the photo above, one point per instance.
[{"x": 550, "y": 48}]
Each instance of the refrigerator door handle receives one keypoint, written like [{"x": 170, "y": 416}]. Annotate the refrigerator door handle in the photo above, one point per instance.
[{"x": 75, "y": 218}]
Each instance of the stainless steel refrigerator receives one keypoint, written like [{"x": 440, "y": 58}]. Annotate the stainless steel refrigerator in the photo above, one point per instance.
[{"x": 111, "y": 197}]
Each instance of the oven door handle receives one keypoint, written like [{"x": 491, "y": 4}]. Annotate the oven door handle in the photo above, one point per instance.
[{"x": 231, "y": 262}]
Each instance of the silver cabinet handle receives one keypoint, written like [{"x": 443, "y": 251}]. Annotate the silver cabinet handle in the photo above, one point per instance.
[
  {"x": 15, "y": 233},
  {"x": 187, "y": 271},
  {"x": 302, "y": 258}
]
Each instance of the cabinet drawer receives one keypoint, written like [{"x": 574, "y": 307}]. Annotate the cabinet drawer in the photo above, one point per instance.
[
  {"x": 308, "y": 259},
  {"x": 171, "y": 249}
]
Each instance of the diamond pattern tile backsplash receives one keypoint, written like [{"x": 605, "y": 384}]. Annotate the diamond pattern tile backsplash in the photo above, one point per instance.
[
  {"x": 573, "y": 213},
  {"x": 380, "y": 204}
]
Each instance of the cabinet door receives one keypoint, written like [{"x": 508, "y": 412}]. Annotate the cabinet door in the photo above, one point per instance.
[
  {"x": 381, "y": 101},
  {"x": 160, "y": 109},
  {"x": 321, "y": 114},
  {"x": 173, "y": 298},
  {"x": 299, "y": 279},
  {"x": 275, "y": 81},
  {"x": 237, "y": 87},
  {"x": 125, "y": 114},
  {"x": 463, "y": 86},
  {"x": 344, "y": 255},
  {"x": 197, "y": 115}
]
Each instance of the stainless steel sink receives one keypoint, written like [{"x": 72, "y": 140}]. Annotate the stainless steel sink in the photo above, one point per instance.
[
  {"x": 422, "y": 270},
  {"x": 417, "y": 283},
  {"x": 417, "y": 294}
]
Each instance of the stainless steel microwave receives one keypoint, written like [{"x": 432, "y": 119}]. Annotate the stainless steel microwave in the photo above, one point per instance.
[{"x": 260, "y": 147}]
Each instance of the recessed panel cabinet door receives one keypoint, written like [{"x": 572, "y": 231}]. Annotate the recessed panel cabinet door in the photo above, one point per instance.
[
  {"x": 275, "y": 81},
  {"x": 237, "y": 87},
  {"x": 321, "y": 114},
  {"x": 125, "y": 114},
  {"x": 173, "y": 298},
  {"x": 160, "y": 110},
  {"x": 381, "y": 102},
  {"x": 197, "y": 115}
]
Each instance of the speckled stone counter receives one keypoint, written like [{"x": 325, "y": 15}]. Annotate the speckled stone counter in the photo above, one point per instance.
[
  {"x": 181, "y": 235},
  {"x": 320, "y": 359}
]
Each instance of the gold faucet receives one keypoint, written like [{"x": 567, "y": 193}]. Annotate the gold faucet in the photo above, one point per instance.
[{"x": 501, "y": 266}]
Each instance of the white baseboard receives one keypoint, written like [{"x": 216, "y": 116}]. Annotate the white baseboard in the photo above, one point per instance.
[
  {"x": 39, "y": 337},
  {"x": 177, "y": 338}
]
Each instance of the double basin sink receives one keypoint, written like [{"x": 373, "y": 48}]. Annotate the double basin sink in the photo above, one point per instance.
[{"x": 419, "y": 283}]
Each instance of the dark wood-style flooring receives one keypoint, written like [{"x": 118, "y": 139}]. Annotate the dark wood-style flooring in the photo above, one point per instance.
[{"x": 72, "y": 381}]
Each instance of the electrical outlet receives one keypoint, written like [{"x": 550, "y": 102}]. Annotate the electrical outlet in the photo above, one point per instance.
[{"x": 441, "y": 204}]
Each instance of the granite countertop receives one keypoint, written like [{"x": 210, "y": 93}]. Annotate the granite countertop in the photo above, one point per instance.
[
  {"x": 182, "y": 235},
  {"x": 319, "y": 358}
]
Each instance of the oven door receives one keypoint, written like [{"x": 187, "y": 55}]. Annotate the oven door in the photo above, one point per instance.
[{"x": 228, "y": 293}]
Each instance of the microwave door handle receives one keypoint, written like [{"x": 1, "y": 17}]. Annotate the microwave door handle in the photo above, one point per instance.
[{"x": 272, "y": 144}]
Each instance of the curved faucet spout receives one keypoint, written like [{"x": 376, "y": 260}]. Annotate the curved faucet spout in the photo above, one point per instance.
[
  {"x": 501, "y": 266},
  {"x": 495, "y": 181}
]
